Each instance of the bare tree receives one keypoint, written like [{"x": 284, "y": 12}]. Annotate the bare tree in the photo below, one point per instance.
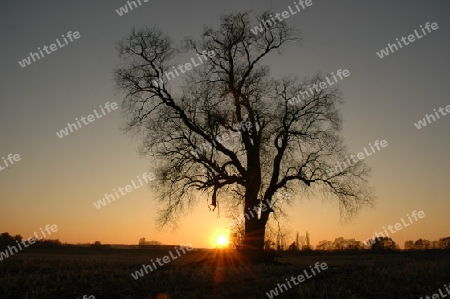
[
  {"x": 384, "y": 243},
  {"x": 302, "y": 242},
  {"x": 237, "y": 231},
  {"x": 144, "y": 242},
  {"x": 422, "y": 244},
  {"x": 444, "y": 243},
  {"x": 339, "y": 243},
  {"x": 409, "y": 245},
  {"x": 325, "y": 245},
  {"x": 308, "y": 243},
  {"x": 281, "y": 147}
]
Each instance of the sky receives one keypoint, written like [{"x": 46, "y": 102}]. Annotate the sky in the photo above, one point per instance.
[{"x": 57, "y": 180}]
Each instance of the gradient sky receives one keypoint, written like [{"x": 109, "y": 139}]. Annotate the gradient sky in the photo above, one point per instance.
[{"x": 57, "y": 180}]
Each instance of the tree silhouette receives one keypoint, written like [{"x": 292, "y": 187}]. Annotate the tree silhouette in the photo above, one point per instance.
[
  {"x": 6, "y": 239},
  {"x": 383, "y": 244},
  {"x": 268, "y": 145},
  {"x": 422, "y": 244},
  {"x": 409, "y": 245},
  {"x": 444, "y": 243},
  {"x": 339, "y": 243},
  {"x": 325, "y": 245}
]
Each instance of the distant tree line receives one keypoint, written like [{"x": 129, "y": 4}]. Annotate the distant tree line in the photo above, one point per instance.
[
  {"x": 423, "y": 244},
  {"x": 8, "y": 240},
  {"x": 340, "y": 244},
  {"x": 377, "y": 244},
  {"x": 143, "y": 244},
  {"x": 300, "y": 243}
]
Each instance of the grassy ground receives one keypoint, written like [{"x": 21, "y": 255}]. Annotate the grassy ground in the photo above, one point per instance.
[{"x": 205, "y": 274}]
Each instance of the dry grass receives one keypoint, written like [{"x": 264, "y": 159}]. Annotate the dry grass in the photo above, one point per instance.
[{"x": 203, "y": 274}]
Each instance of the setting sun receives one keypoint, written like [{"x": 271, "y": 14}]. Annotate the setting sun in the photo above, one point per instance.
[{"x": 222, "y": 241}]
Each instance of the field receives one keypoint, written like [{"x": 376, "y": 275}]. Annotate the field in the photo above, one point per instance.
[{"x": 209, "y": 274}]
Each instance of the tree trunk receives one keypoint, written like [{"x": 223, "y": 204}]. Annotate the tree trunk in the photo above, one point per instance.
[
  {"x": 255, "y": 229},
  {"x": 254, "y": 239},
  {"x": 254, "y": 234}
]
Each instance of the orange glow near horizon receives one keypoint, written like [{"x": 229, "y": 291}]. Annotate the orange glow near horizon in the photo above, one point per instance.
[
  {"x": 222, "y": 241},
  {"x": 220, "y": 238}
]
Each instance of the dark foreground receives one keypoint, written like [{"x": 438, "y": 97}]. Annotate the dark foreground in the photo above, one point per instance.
[{"x": 207, "y": 274}]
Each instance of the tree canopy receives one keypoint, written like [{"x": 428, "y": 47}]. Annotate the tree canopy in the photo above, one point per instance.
[{"x": 278, "y": 147}]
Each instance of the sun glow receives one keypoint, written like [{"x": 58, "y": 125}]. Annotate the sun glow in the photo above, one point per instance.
[
  {"x": 219, "y": 238},
  {"x": 222, "y": 241}
]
